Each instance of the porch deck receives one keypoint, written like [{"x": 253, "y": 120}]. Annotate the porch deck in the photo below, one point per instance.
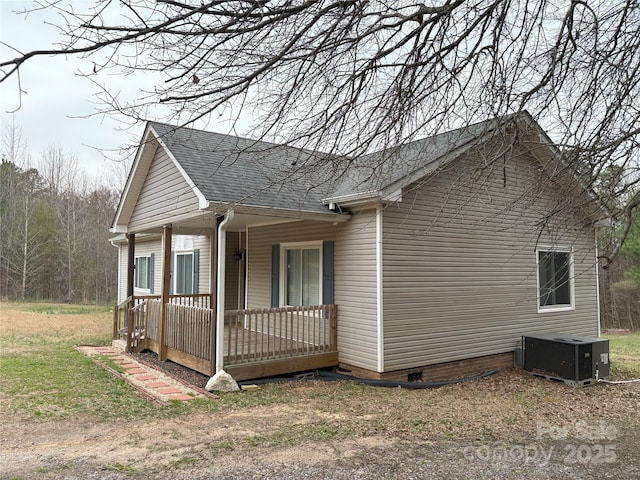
[{"x": 257, "y": 342}]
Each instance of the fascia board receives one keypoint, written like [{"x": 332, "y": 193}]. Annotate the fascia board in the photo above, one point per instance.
[
  {"x": 118, "y": 229},
  {"x": 291, "y": 214},
  {"x": 546, "y": 141},
  {"x": 116, "y": 225}
]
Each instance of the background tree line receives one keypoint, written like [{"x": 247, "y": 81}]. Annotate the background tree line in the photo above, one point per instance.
[
  {"x": 351, "y": 77},
  {"x": 620, "y": 282},
  {"x": 54, "y": 228}
]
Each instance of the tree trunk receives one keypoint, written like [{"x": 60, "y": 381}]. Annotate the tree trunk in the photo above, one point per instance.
[{"x": 25, "y": 249}]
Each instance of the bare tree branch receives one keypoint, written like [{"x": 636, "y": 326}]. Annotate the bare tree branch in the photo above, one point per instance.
[{"x": 349, "y": 77}]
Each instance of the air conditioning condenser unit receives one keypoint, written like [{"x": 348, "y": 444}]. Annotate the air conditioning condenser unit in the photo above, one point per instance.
[{"x": 574, "y": 359}]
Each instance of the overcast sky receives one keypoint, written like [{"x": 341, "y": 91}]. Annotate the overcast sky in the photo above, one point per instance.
[{"x": 57, "y": 104}]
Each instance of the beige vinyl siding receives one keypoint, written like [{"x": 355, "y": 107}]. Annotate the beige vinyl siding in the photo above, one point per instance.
[
  {"x": 355, "y": 290},
  {"x": 354, "y": 273},
  {"x": 201, "y": 242},
  {"x": 460, "y": 264},
  {"x": 141, "y": 166},
  {"x": 232, "y": 272},
  {"x": 164, "y": 194}
]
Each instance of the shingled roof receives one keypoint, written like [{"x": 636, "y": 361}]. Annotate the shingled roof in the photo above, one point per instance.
[
  {"x": 236, "y": 170},
  {"x": 401, "y": 165}
]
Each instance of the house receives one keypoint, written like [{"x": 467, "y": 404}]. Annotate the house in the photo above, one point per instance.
[{"x": 428, "y": 260}]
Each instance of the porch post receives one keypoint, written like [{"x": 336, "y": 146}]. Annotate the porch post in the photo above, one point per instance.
[
  {"x": 131, "y": 271},
  {"x": 131, "y": 262},
  {"x": 164, "y": 296},
  {"x": 214, "y": 290}
]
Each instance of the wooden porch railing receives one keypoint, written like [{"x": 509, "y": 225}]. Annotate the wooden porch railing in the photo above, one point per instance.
[
  {"x": 121, "y": 311},
  {"x": 271, "y": 336},
  {"x": 274, "y": 333},
  {"x": 121, "y": 315},
  {"x": 189, "y": 330}
]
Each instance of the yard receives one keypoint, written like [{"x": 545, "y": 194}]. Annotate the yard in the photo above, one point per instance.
[{"x": 62, "y": 416}]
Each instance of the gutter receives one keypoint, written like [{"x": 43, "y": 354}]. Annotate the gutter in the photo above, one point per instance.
[
  {"x": 116, "y": 242},
  {"x": 240, "y": 209},
  {"x": 353, "y": 198},
  {"x": 222, "y": 249}
]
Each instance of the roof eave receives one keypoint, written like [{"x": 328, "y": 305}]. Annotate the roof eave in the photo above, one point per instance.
[
  {"x": 544, "y": 139},
  {"x": 354, "y": 199},
  {"x": 393, "y": 191},
  {"x": 328, "y": 216},
  {"x": 116, "y": 224}
]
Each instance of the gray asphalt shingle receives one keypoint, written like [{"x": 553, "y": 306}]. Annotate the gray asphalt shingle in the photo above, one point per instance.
[
  {"x": 238, "y": 170},
  {"x": 249, "y": 172}
]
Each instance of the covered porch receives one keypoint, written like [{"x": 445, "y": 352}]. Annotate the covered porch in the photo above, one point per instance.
[
  {"x": 197, "y": 331},
  {"x": 256, "y": 342}
]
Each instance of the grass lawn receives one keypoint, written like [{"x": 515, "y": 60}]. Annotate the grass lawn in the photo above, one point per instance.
[
  {"x": 42, "y": 376},
  {"x": 625, "y": 355}
]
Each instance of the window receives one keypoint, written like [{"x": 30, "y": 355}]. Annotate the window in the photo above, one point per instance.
[
  {"x": 299, "y": 286},
  {"x": 302, "y": 275},
  {"x": 143, "y": 273},
  {"x": 555, "y": 279},
  {"x": 184, "y": 273}
]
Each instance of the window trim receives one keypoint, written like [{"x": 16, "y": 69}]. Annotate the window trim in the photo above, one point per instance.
[
  {"x": 283, "y": 267},
  {"x": 558, "y": 307},
  {"x": 135, "y": 276},
  {"x": 175, "y": 273}
]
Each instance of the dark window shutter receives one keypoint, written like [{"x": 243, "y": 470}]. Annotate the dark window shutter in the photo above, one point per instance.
[
  {"x": 171, "y": 273},
  {"x": 327, "y": 272},
  {"x": 196, "y": 271},
  {"x": 275, "y": 275},
  {"x": 150, "y": 272}
]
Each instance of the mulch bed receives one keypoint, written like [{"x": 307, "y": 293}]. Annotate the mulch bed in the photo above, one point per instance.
[{"x": 186, "y": 375}]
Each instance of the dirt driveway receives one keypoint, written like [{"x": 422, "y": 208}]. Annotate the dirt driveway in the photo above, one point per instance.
[{"x": 245, "y": 444}]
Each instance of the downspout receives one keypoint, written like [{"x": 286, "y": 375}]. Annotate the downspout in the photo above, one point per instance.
[
  {"x": 597, "y": 283},
  {"x": 220, "y": 291},
  {"x": 379, "y": 302},
  {"x": 240, "y": 285},
  {"x": 245, "y": 287}
]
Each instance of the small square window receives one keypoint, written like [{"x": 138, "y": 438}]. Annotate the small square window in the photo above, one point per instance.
[{"x": 555, "y": 279}]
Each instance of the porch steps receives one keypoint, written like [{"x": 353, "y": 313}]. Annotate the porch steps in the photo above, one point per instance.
[{"x": 148, "y": 381}]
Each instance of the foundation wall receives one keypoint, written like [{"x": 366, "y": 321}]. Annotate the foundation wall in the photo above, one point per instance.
[{"x": 441, "y": 371}]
